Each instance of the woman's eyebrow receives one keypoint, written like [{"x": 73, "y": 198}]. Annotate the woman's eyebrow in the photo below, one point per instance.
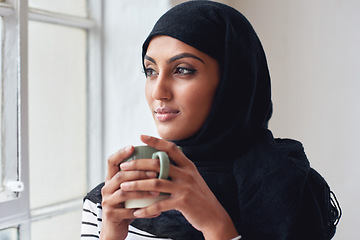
[
  {"x": 184, "y": 55},
  {"x": 150, "y": 59},
  {"x": 176, "y": 57}
]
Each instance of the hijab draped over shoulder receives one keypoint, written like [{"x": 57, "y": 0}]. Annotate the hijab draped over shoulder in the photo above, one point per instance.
[{"x": 265, "y": 184}]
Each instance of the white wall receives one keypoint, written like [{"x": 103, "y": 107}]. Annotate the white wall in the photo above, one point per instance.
[{"x": 313, "y": 53}]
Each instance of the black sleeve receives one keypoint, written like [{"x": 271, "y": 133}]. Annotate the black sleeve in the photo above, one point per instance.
[{"x": 95, "y": 194}]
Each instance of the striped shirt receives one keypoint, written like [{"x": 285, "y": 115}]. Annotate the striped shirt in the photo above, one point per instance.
[{"x": 91, "y": 225}]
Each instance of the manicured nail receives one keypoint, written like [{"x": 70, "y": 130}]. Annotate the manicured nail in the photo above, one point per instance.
[
  {"x": 124, "y": 165},
  {"x": 124, "y": 185},
  {"x": 151, "y": 174},
  {"x": 154, "y": 193},
  {"x": 128, "y": 148},
  {"x": 139, "y": 213},
  {"x": 145, "y": 137}
]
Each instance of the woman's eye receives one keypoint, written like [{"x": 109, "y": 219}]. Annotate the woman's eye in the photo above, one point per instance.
[
  {"x": 184, "y": 71},
  {"x": 150, "y": 72}
]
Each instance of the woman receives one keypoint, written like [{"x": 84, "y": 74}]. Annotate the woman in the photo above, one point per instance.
[{"x": 208, "y": 88}]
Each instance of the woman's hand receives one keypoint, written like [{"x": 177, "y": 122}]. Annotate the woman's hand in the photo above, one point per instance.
[
  {"x": 116, "y": 218},
  {"x": 189, "y": 192}
]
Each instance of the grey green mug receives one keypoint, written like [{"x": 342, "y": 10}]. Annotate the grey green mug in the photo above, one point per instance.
[{"x": 147, "y": 152}]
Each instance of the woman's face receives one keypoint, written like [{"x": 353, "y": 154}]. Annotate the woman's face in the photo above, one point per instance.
[{"x": 180, "y": 86}]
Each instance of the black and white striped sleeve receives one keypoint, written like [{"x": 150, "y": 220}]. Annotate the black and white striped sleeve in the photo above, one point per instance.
[
  {"x": 91, "y": 220},
  {"x": 91, "y": 225}
]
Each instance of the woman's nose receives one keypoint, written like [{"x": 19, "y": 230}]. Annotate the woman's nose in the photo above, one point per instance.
[{"x": 162, "y": 88}]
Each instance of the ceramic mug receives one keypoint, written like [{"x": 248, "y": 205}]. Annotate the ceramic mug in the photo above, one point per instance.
[{"x": 147, "y": 152}]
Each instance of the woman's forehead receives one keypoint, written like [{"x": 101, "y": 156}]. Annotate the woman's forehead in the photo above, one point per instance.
[{"x": 173, "y": 49}]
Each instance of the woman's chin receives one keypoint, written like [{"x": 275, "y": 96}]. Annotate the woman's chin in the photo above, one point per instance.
[
  {"x": 177, "y": 130},
  {"x": 171, "y": 134}
]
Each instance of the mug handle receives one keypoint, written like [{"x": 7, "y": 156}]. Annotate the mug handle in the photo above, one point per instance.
[{"x": 164, "y": 164}]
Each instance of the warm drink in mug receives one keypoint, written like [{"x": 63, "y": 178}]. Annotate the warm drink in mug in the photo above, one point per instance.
[{"x": 146, "y": 152}]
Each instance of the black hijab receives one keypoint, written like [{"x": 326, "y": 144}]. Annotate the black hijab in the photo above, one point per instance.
[{"x": 242, "y": 104}]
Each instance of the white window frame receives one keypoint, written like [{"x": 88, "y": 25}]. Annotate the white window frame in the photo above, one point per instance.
[
  {"x": 14, "y": 125},
  {"x": 16, "y": 14},
  {"x": 96, "y": 94}
]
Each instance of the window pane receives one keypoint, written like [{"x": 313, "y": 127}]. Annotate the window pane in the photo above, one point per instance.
[
  {"x": 8, "y": 113},
  {"x": 66, "y": 226},
  {"x": 9, "y": 234},
  {"x": 57, "y": 113},
  {"x": 77, "y": 7},
  {"x": 1, "y": 113}
]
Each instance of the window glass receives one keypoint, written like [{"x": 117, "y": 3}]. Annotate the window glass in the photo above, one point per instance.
[
  {"x": 1, "y": 113},
  {"x": 70, "y": 7},
  {"x": 65, "y": 226},
  {"x": 8, "y": 113},
  {"x": 57, "y": 113},
  {"x": 9, "y": 234}
]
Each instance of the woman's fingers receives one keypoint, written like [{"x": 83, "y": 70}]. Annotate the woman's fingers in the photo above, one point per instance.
[
  {"x": 118, "y": 214},
  {"x": 151, "y": 166},
  {"x": 141, "y": 164},
  {"x": 169, "y": 147},
  {"x": 149, "y": 185},
  {"x": 122, "y": 176},
  {"x": 121, "y": 196},
  {"x": 154, "y": 210},
  {"x": 113, "y": 204},
  {"x": 115, "y": 159}
]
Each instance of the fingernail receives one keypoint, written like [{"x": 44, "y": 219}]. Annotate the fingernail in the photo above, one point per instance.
[
  {"x": 145, "y": 137},
  {"x": 138, "y": 213},
  {"x": 151, "y": 174},
  {"x": 124, "y": 165},
  {"x": 124, "y": 185},
  {"x": 127, "y": 148}
]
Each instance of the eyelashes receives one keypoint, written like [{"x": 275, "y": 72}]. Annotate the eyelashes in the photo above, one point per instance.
[
  {"x": 185, "y": 71},
  {"x": 149, "y": 72},
  {"x": 180, "y": 71}
]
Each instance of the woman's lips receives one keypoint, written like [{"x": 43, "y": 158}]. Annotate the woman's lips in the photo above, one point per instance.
[{"x": 164, "y": 114}]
